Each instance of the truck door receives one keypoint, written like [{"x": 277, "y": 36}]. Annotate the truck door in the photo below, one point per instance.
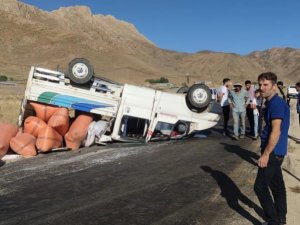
[{"x": 134, "y": 114}]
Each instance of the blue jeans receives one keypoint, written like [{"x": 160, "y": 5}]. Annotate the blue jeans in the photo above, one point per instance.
[{"x": 237, "y": 116}]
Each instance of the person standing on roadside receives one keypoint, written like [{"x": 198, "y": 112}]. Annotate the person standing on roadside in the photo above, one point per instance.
[
  {"x": 260, "y": 106},
  {"x": 249, "y": 110},
  {"x": 237, "y": 100},
  {"x": 298, "y": 99},
  {"x": 280, "y": 90},
  {"x": 274, "y": 140},
  {"x": 256, "y": 105},
  {"x": 222, "y": 98}
]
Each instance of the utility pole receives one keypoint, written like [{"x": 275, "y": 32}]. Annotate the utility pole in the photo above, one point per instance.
[{"x": 187, "y": 78}]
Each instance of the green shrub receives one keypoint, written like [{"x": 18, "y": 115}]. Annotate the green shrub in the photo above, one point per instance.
[
  {"x": 3, "y": 78},
  {"x": 160, "y": 80}
]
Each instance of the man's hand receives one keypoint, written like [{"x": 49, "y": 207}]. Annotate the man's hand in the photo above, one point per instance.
[{"x": 263, "y": 160}]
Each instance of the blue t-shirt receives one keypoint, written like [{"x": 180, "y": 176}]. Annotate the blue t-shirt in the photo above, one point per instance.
[{"x": 276, "y": 108}]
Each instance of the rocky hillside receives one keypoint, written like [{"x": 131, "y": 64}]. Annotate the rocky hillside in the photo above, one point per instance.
[
  {"x": 283, "y": 61},
  {"x": 117, "y": 50}
]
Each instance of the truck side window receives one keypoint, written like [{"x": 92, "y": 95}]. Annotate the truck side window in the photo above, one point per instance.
[{"x": 163, "y": 128}]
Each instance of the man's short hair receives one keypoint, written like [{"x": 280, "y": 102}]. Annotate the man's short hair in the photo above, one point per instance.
[
  {"x": 280, "y": 83},
  {"x": 268, "y": 76},
  {"x": 298, "y": 84},
  {"x": 257, "y": 91},
  {"x": 225, "y": 80},
  {"x": 247, "y": 82}
]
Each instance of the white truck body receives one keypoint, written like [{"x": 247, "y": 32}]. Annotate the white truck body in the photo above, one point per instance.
[{"x": 136, "y": 113}]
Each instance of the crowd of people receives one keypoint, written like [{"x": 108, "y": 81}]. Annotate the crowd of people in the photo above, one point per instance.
[
  {"x": 246, "y": 101},
  {"x": 270, "y": 102}
]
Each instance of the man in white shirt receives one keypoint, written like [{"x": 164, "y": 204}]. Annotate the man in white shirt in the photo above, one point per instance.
[{"x": 223, "y": 100}]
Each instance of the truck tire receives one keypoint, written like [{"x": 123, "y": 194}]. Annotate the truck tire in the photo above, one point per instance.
[
  {"x": 80, "y": 71},
  {"x": 198, "y": 97},
  {"x": 182, "y": 128}
]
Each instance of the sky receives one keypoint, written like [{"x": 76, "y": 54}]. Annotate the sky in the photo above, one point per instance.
[{"x": 232, "y": 26}]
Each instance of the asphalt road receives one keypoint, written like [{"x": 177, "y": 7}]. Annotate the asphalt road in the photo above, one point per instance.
[{"x": 194, "y": 181}]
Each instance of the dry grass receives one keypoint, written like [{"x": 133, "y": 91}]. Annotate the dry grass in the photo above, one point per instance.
[{"x": 10, "y": 101}]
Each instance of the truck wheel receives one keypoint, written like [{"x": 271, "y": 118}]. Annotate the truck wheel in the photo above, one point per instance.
[
  {"x": 198, "y": 97},
  {"x": 80, "y": 71},
  {"x": 182, "y": 128}
]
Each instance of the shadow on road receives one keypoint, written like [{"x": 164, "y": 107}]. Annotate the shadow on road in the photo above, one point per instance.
[
  {"x": 1, "y": 163},
  {"x": 232, "y": 194},
  {"x": 218, "y": 130},
  {"x": 297, "y": 140},
  {"x": 297, "y": 178},
  {"x": 205, "y": 132},
  {"x": 248, "y": 156}
]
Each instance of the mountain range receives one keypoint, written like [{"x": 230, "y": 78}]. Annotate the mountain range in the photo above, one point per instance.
[{"x": 31, "y": 36}]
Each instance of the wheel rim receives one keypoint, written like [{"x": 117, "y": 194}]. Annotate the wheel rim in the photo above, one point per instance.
[
  {"x": 80, "y": 70},
  {"x": 199, "y": 96}
]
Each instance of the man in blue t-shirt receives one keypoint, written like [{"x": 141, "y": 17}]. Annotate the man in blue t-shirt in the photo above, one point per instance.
[{"x": 274, "y": 140}]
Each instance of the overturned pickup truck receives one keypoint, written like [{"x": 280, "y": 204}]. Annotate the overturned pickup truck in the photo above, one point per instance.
[{"x": 129, "y": 113}]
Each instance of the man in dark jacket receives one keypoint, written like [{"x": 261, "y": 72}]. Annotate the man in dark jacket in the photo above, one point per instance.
[
  {"x": 281, "y": 90},
  {"x": 249, "y": 109},
  {"x": 298, "y": 99}
]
